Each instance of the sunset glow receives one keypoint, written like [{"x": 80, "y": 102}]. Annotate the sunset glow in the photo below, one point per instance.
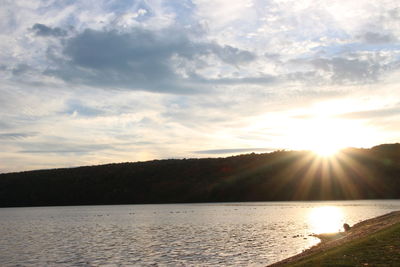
[{"x": 326, "y": 136}]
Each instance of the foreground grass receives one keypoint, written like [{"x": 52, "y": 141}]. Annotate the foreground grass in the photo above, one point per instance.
[{"x": 379, "y": 249}]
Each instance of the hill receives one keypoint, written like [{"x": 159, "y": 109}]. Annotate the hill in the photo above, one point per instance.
[{"x": 281, "y": 175}]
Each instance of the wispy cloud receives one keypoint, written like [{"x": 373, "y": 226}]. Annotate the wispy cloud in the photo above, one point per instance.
[
  {"x": 233, "y": 150},
  {"x": 61, "y": 148},
  {"x": 372, "y": 114},
  {"x": 16, "y": 136}
]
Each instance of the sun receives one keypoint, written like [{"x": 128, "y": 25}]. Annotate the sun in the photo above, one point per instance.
[
  {"x": 326, "y": 150},
  {"x": 324, "y": 130},
  {"x": 327, "y": 143},
  {"x": 326, "y": 137}
]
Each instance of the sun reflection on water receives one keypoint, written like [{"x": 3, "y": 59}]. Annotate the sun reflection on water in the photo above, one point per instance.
[{"x": 326, "y": 219}]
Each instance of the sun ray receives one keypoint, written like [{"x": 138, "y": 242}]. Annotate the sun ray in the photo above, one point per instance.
[
  {"x": 361, "y": 171},
  {"x": 288, "y": 174},
  {"x": 326, "y": 183},
  {"x": 345, "y": 184},
  {"x": 306, "y": 182}
]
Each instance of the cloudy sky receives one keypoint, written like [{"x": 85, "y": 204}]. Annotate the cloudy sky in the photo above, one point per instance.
[{"x": 100, "y": 81}]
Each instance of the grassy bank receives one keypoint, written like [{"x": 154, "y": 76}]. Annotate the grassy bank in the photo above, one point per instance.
[
  {"x": 379, "y": 249},
  {"x": 373, "y": 242}
]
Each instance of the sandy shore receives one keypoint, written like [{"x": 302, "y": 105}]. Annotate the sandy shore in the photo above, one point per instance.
[{"x": 359, "y": 230}]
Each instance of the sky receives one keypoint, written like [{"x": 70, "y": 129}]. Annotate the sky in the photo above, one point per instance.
[{"x": 95, "y": 81}]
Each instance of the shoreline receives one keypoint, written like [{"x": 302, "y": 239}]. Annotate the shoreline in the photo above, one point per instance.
[{"x": 357, "y": 231}]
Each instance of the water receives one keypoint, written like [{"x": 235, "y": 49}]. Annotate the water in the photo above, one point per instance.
[{"x": 224, "y": 234}]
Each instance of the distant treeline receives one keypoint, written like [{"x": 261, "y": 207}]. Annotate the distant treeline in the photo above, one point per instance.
[{"x": 282, "y": 175}]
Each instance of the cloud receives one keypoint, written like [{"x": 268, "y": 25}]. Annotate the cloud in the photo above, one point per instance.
[
  {"x": 5, "y": 125},
  {"x": 62, "y": 148},
  {"x": 261, "y": 80},
  {"x": 233, "y": 150},
  {"x": 16, "y": 136},
  {"x": 342, "y": 69},
  {"x": 159, "y": 79},
  {"x": 372, "y": 114},
  {"x": 20, "y": 69},
  {"x": 230, "y": 54},
  {"x": 45, "y": 31},
  {"x": 139, "y": 59},
  {"x": 378, "y": 38},
  {"x": 76, "y": 107}
]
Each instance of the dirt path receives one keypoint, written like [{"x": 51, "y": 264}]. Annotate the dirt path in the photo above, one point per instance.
[{"x": 359, "y": 230}]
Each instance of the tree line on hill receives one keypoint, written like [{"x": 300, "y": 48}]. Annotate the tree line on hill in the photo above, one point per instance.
[{"x": 277, "y": 176}]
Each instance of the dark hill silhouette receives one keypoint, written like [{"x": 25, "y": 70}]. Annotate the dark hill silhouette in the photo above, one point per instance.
[{"x": 281, "y": 175}]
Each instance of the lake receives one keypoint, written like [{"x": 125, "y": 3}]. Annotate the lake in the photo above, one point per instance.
[{"x": 208, "y": 234}]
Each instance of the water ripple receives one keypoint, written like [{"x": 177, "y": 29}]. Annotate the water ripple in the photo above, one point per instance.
[{"x": 233, "y": 234}]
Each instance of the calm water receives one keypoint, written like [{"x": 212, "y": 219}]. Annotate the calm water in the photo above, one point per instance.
[{"x": 227, "y": 234}]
